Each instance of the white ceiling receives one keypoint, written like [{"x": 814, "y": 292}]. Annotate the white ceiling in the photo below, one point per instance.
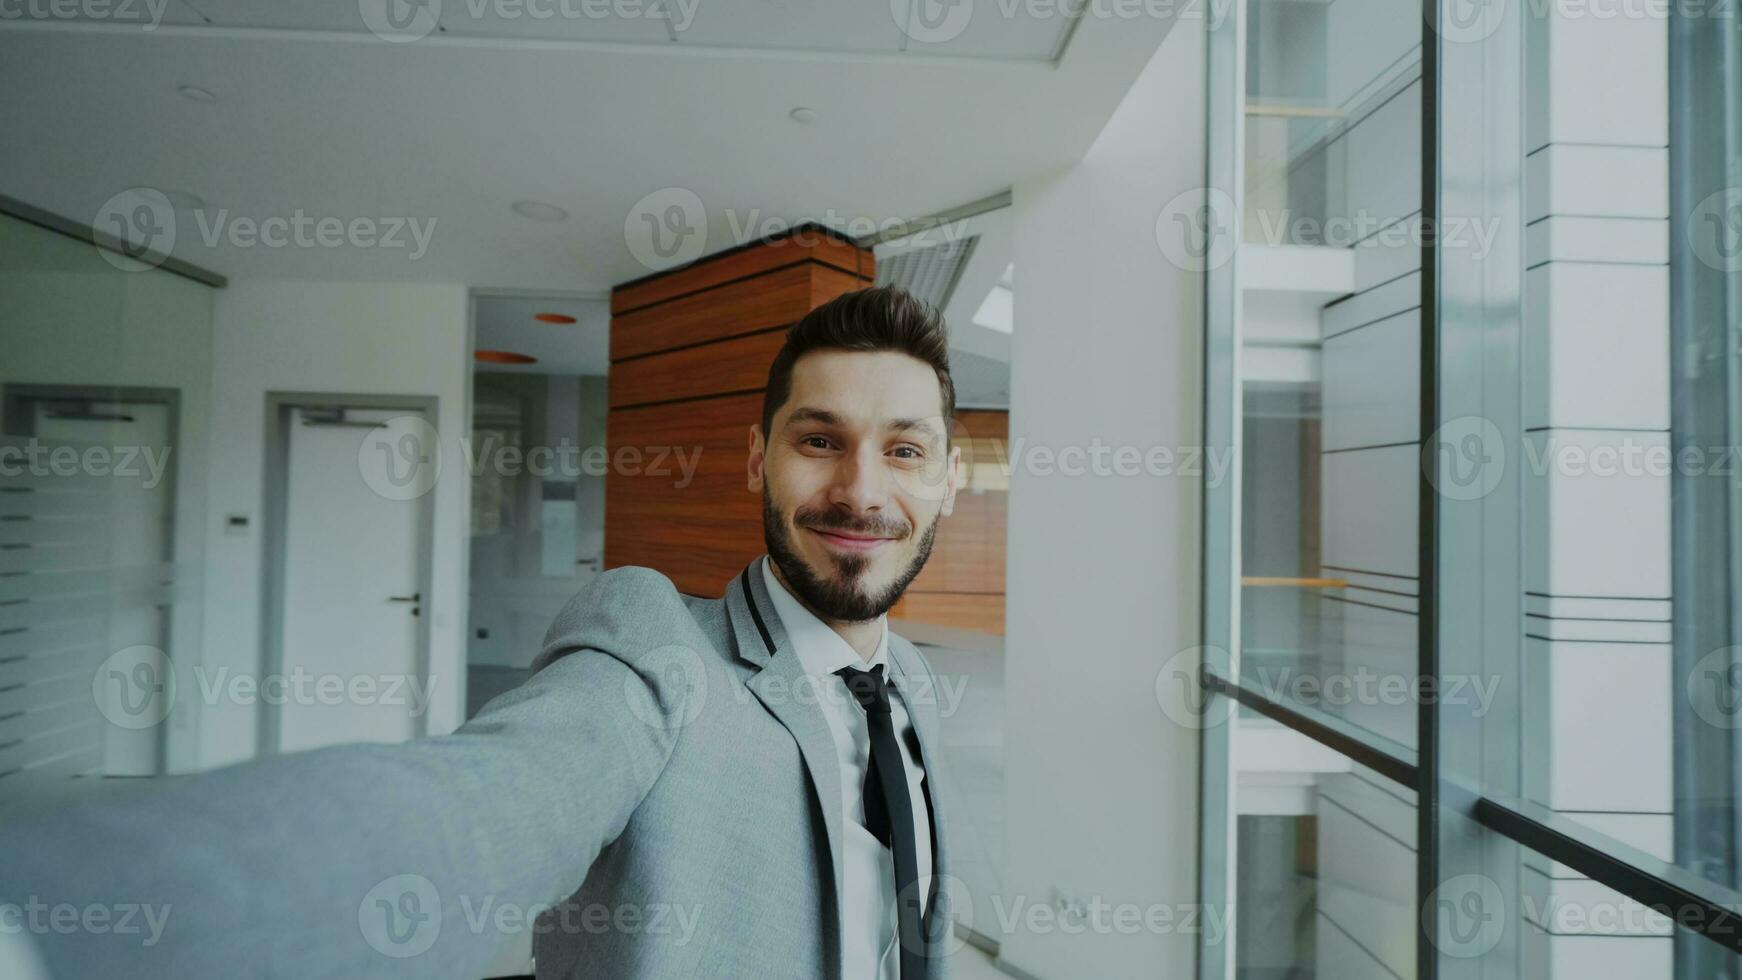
[
  {"x": 506, "y": 323},
  {"x": 318, "y": 117}
]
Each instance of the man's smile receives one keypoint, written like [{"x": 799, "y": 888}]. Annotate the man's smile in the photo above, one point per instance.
[{"x": 849, "y": 542}]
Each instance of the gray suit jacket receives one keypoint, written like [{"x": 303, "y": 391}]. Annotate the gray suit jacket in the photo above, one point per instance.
[{"x": 661, "y": 799}]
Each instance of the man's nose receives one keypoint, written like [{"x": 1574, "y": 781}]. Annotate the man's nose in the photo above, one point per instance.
[{"x": 861, "y": 482}]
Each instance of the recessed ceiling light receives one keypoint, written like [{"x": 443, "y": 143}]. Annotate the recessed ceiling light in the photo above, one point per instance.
[
  {"x": 183, "y": 201},
  {"x": 539, "y": 211},
  {"x": 553, "y": 318},
  {"x": 503, "y": 357},
  {"x": 194, "y": 93},
  {"x": 804, "y": 115}
]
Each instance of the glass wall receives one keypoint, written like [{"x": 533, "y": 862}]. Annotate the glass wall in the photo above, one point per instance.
[
  {"x": 1325, "y": 868},
  {"x": 1486, "y": 535},
  {"x": 105, "y": 380},
  {"x": 1329, "y": 291}
]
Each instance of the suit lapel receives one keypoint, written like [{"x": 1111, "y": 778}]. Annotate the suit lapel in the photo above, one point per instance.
[{"x": 783, "y": 688}]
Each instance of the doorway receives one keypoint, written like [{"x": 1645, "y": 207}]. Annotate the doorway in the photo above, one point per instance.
[
  {"x": 349, "y": 529},
  {"x": 111, "y": 552}
]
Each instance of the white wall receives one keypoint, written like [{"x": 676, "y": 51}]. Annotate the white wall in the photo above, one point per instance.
[
  {"x": 354, "y": 338},
  {"x": 1101, "y": 791}
]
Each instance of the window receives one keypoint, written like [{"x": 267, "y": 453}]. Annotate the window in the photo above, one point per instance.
[{"x": 1475, "y": 583}]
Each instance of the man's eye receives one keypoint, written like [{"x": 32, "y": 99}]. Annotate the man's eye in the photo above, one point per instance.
[
  {"x": 816, "y": 442},
  {"x": 914, "y": 452}
]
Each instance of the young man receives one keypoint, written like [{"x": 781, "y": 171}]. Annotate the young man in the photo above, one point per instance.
[{"x": 686, "y": 787}]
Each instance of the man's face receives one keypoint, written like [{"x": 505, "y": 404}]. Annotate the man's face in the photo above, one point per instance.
[{"x": 854, "y": 476}]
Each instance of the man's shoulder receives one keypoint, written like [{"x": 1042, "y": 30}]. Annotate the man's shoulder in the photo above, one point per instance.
[
  {"x": 908, "y": 654},
  {"x": 624, "y": 611}
]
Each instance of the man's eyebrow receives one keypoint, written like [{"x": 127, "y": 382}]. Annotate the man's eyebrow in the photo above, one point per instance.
[
  {"x": 913, "y": 425},
  {"x": 809, "y": 413}
]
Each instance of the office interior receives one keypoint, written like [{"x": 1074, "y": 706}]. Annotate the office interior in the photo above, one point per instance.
[{"x": 1345, "y": 581}]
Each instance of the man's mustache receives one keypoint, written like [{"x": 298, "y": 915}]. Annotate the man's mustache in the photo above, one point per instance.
[{"x": 829, "y": 522}]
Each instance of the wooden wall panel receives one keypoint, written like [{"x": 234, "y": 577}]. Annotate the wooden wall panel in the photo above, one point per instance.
[
  {"x": 958, "y": 610},
  {"x": 697, "y": 532},
  {"x": 777, "y": 299},
  {"x": 736, "y": 365},
  {"x": 742, "y": 264},
  {"x": 962, "y": 585}
]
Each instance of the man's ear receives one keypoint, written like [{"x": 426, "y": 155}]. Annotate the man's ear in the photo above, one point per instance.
[
  {"x": 758, "y": 452},
  {"x": 953, "y": 480}
]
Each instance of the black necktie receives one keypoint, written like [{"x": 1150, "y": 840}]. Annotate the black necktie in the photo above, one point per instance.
[{"x": 889, "y": 812}]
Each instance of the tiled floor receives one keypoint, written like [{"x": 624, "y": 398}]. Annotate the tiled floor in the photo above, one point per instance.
[{"x": 969, "y": 963}]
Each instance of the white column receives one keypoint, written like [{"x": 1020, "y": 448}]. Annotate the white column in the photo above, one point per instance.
[{"x": 1597, "y": 573}]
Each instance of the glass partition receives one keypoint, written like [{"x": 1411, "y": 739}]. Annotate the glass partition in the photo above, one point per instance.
[
  {"x": 1492, "y": 472},
  {"x": 104, "y": 385},
  {"x": 1327, "y": 325},
  {"x": 1325, "y": 881}
]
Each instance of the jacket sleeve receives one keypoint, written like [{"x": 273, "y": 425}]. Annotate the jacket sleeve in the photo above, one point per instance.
[{"x": 415, "y": 859}]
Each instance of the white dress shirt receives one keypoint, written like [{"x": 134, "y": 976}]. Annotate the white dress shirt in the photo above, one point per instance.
[{"x": 868, "y": 929}]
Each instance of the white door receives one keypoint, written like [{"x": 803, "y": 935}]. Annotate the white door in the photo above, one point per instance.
[
  {"x": 140, "y": 509},
  {"x": 351, "y": 605}
]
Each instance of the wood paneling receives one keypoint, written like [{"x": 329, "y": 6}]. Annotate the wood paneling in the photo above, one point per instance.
[
  {"x": 968, "y": 555},
  {"x": 777, "y": 299},
  {"x": 774, "y": 300},
  {"x": 700, "y": 532},
  {"x": 984, "y": 423},
  {"x": 742, "y": 264},
  {"x": 968, "y": 611},
  {"x": 962, "y": 585},
  {"x": 739, "y": 364}
]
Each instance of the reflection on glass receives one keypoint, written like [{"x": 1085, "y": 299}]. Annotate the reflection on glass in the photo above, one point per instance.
[{"x": 1326, "y": 865}]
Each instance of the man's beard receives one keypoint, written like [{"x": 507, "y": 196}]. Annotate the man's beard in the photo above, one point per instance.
[{"x": 838, "y": 598}]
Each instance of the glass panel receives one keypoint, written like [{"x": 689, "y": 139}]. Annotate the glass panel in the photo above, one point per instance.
[
  {"x": 1221, "y": 398},
  {"x": 104, "y": 381},
  {"x": 1698, "y": 956},
  {"x": 1313, "y": 75},
  {"x": 1325, "y": 852},
  {"x": 1560, "y": 924},
  {"x": 1702, "y": 704},
  {"x": 1329, "y": 325},
  {"x": 1633, "y": 682}
]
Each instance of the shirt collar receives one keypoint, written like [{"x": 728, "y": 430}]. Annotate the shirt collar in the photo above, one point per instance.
[{"x": 820, "y": 649}]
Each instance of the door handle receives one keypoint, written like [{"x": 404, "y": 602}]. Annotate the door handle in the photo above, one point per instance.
[{"x": 414, "y": 597}]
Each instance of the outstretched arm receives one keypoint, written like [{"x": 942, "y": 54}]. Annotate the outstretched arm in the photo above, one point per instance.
[{"x": 365, "y": 860}]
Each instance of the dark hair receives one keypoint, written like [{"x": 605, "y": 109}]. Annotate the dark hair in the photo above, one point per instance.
[{"x": 885, "y": 318}]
